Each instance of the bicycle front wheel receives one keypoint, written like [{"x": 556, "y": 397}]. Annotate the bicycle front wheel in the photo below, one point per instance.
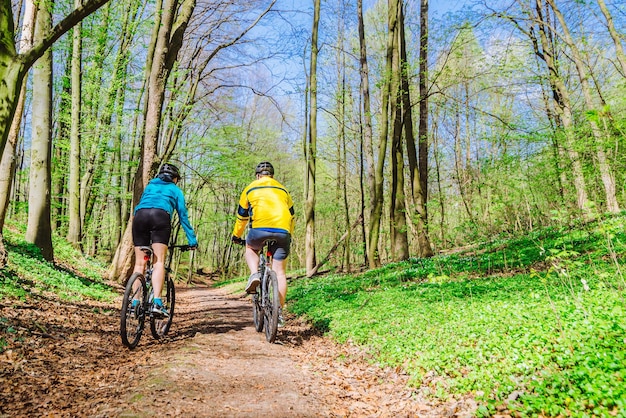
[
  {"x": 257, "y": 310},
  {"x": 133, "y": 315},
  {"x": 272, "y": 307},
  {"x": 161, "y": 326}
]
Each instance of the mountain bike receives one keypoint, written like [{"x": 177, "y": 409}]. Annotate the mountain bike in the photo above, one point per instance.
[
  {"x": 138, "y": 299},
  {"x": 266, "y": 300}
]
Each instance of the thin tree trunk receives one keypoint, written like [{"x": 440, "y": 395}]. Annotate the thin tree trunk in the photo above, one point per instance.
[
  {"x": 617, "y": 40},
  {"x": 367, "y": 135},
  {"x": 75, "y": 230},
  {"x": 312, "y": 151},
  {"x": 61, "y": 143},
  {"x": 423, "y": 107},
  {"x": 342, "y": 198}
]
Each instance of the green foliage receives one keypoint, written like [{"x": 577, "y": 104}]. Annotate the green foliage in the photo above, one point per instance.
[
  {"x": 542, "y": 316},
  {"x": 72, "y": 277}
]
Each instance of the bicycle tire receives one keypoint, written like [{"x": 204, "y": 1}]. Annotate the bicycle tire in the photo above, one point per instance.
[
  {"x": 132, "y": 319},
  {"x": 159, "y": 327},
  {"x": 272, "y": 307},
  {"x": 257, "y": 310}
]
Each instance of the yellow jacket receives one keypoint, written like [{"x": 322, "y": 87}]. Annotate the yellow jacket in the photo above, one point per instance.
[{"x": 268, "y": 206}]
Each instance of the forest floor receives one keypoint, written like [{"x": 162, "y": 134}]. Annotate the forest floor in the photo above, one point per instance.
[{"x": 66, "y": 359}]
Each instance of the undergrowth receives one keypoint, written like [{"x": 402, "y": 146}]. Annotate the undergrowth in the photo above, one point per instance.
[
  {"x": 536, "y": 325},
  {"x": 71, "y": 277}
]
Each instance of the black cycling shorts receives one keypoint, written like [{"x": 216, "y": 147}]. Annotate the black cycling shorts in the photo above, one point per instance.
[
  {"x": 279, "y": 248},
  {"x": 150, "y": 226}
]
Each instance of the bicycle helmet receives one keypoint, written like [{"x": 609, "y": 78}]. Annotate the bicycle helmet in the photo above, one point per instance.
[
  {"x": 265, "y": 169},
  {"x": 169, "y": 171}
]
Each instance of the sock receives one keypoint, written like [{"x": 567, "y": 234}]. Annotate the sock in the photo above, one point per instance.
[
  {"x": 135, "y": 303},
  {"x": 158, "y": 301}
]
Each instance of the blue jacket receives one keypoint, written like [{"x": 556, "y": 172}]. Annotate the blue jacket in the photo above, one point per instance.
[{"x": 160, "y": 194}]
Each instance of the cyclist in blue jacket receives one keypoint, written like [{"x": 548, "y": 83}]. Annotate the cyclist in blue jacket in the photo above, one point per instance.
[{"x": 152, "y": 226}]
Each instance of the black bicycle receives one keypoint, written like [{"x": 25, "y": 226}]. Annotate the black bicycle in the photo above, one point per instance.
[
  {"x": 265, "y": 300},
  {"x": 138, "y": 299}
]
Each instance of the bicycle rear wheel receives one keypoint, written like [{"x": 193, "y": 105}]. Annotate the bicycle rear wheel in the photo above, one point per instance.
[
  {"x": 159, "y": 327},
  {"x": 272, "y": 306},
  {"x": 132, "y": 318}
]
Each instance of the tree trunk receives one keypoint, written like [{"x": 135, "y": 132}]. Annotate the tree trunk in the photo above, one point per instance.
[
  {"x": 367, "y": 134},
  {"x": 418, "y": 169},
  {"x": 39, "y": 230},
  {"x": 397, "y": 200},
  {"x": 342, "y": 189},
  {"x": 617, "y": 40},
  {"x": 310, "y": 258},
  {"x": 74, "y": 233}
]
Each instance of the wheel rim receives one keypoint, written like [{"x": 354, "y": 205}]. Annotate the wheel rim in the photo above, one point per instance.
[
  {"x": 159, "y": 327},
  {"x": 271, "y": 308}
]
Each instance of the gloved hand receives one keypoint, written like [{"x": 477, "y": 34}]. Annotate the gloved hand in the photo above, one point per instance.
[{"x": 238, "y": 240}]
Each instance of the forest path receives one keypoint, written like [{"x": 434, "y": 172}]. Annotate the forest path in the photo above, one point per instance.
[{"x": 67, "y": 360}]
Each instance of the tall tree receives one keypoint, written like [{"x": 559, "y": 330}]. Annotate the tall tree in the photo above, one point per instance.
[
  {"x": 367, "y": 134},
  {"x": 376, "y": 209},
  {"x": 418, "y": 159},
  {"x": 39, "y": 230},
  {"x": 174, "y": 19},
  {"x": 74, "y": 233},
  {"x": 311, "y": 151},
  {"x": 397, "y": 200}
]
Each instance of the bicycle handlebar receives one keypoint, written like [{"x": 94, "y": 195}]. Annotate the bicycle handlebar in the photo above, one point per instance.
[{"x": 182, "y": 247}]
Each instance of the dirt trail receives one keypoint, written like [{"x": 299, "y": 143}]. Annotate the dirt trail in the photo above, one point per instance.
[{"x": 67, "y": 360}]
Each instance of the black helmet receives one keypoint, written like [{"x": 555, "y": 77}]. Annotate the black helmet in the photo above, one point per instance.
[
  {"x": 265, "y": 169},
  {"x": 169, "y": 170}
]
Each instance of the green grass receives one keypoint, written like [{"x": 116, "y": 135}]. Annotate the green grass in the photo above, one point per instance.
[
  {"x": 553, "y": 330},
  {"x": 72, "y": 277}
]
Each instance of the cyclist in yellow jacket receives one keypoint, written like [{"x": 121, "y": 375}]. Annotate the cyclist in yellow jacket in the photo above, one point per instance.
[{"x": 268, "y": 206}]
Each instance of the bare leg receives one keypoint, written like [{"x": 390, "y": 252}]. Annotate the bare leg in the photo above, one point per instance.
[
  {"x": 140, "y": 266},
  {"x": 158, "y": 268},
  {"x": 281, "y": 274},
  {"x": 252, "y": 259},
  {"x": 140, "y": 263}
]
